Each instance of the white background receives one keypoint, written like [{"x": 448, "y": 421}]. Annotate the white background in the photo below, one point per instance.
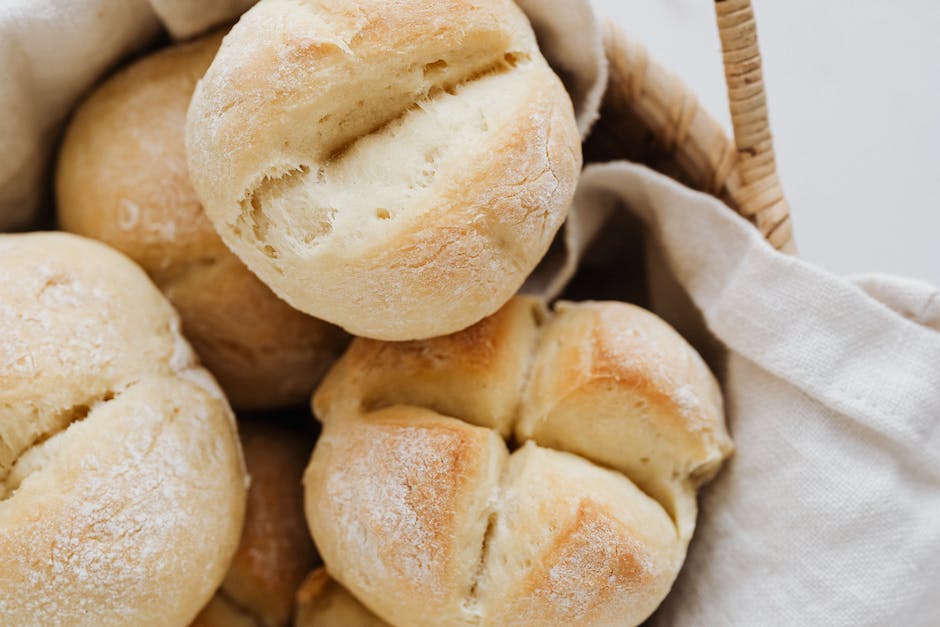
[{"x": 854, "y": 95}]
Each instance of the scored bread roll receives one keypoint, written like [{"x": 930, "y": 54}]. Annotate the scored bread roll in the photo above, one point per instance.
[
  {"x": 421, "y": 510},
  {"x": 597, "y": 363},
  {"x": 122, "y": 179},
  {"x": 122, "y": 486},
  {"x": 275, "y": 551},
  {"x": 397, "y": 168},
  {"x": 322, "y": 602}
]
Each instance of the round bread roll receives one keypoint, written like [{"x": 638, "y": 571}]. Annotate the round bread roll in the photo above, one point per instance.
[
  {"x": 322, "y": 602},
  {"x": 275, "y": 552},
  {"x": 122, "y": 179},
  {"x": 421, "y": 510},
  {"x": 397, "y": 168},
  {"x": 122, "y": 486}
]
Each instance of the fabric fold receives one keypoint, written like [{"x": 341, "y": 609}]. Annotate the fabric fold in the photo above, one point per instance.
[{"x": 829, "y": 513}]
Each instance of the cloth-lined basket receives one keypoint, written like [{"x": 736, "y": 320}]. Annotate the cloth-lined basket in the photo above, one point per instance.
[
  {"x": 649, "y": 116},
  {"x": 829, "y": 512}
]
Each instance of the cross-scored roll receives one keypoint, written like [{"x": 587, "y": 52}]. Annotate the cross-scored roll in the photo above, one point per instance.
[
  {"x": 421, "y": 510},
  {"x": 122, "y": 487},
  {"x": 122, "y": 179},
  {"x": 397, "y": 168}
]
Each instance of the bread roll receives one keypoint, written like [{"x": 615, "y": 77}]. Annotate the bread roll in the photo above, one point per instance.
[
  {"x": 421, "y": 510},
  {"x": 122, "y": 487},
  {"x": 598, "y": 363},
  {"x": 275, "y": 552},
  {"x": 122, "y": 179},
  {"x": 322, "y": 602},
  {"x": 396, "y": 168}
]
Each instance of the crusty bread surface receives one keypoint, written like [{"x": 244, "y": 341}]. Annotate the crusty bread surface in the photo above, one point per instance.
[
  {"x": 424, "y": 512},
  {"x": 122, "y": 179},
  {"x": 397, "y": 167},
  {"x": 122, "y": 485}
]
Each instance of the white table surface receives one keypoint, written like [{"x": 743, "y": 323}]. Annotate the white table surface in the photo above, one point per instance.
[{"x": 854, "y": 94}]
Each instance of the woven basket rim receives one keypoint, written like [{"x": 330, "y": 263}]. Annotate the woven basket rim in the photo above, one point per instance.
[{"x": 685, "y": 141}]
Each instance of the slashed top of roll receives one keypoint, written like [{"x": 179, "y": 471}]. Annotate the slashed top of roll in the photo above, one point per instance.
[
  {"x": 121, "y": 480},
  {"x": 411, "y": 494},
  {"x": 397, "y": 168}
]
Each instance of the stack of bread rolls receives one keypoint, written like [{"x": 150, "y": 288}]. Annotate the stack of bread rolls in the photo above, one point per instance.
[
  {"x": 390, "y": 169},
  {"x": 422, "y": 511},
  {"x": 122, "y": 179}
]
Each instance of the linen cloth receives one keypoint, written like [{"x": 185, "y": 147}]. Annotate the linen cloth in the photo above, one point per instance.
[
  {"x": 829, "y": 511},
  {"x": 51, "y": 51}
]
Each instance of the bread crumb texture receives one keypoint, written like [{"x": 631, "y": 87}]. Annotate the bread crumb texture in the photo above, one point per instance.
[
  {"x": 429, "y": 517},
  {"x": 395, "y": 167}
]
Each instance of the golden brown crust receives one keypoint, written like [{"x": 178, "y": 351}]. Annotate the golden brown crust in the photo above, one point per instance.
[
  {"x": 601, "y": 560},
  {"x": 121, "y": 480},
  {"x": 563, "y": 540},
  {"x": 477, "y": 373},
  {"x": 574, "y": 544},
  {"x": 398, "y": 503},
  {"x": 315, "y": 584},
  {"x": 122, "y": 178},
  {"x": 263, "y": 352},
  {"x": 616, "y": 384},
  {"x": 401, "y": 195}
]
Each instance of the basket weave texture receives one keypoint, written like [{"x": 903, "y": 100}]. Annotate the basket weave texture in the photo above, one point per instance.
[{"x": 650, "y": 116}]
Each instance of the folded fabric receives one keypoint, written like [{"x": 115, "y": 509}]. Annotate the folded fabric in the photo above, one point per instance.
[
  {"x": 829, "y": 513},
  {"x": 51, "y": 51}
]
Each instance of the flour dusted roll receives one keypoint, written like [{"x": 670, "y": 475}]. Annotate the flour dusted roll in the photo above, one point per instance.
[
  {"x": 122, "y": 179},
  {"x": 596, "y": 364},
  {"x": 275, "y": 552},
  {"x": 395, "y": 167},
  {"x": 423, "y": 512},
  {"x": 122, "y": 487}
]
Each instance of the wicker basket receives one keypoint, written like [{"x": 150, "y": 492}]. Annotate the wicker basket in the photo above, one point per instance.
[{"x": 650, "y": 116}]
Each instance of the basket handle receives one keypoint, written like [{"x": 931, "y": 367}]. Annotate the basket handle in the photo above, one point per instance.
[{"x": 762, "y": 198}]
